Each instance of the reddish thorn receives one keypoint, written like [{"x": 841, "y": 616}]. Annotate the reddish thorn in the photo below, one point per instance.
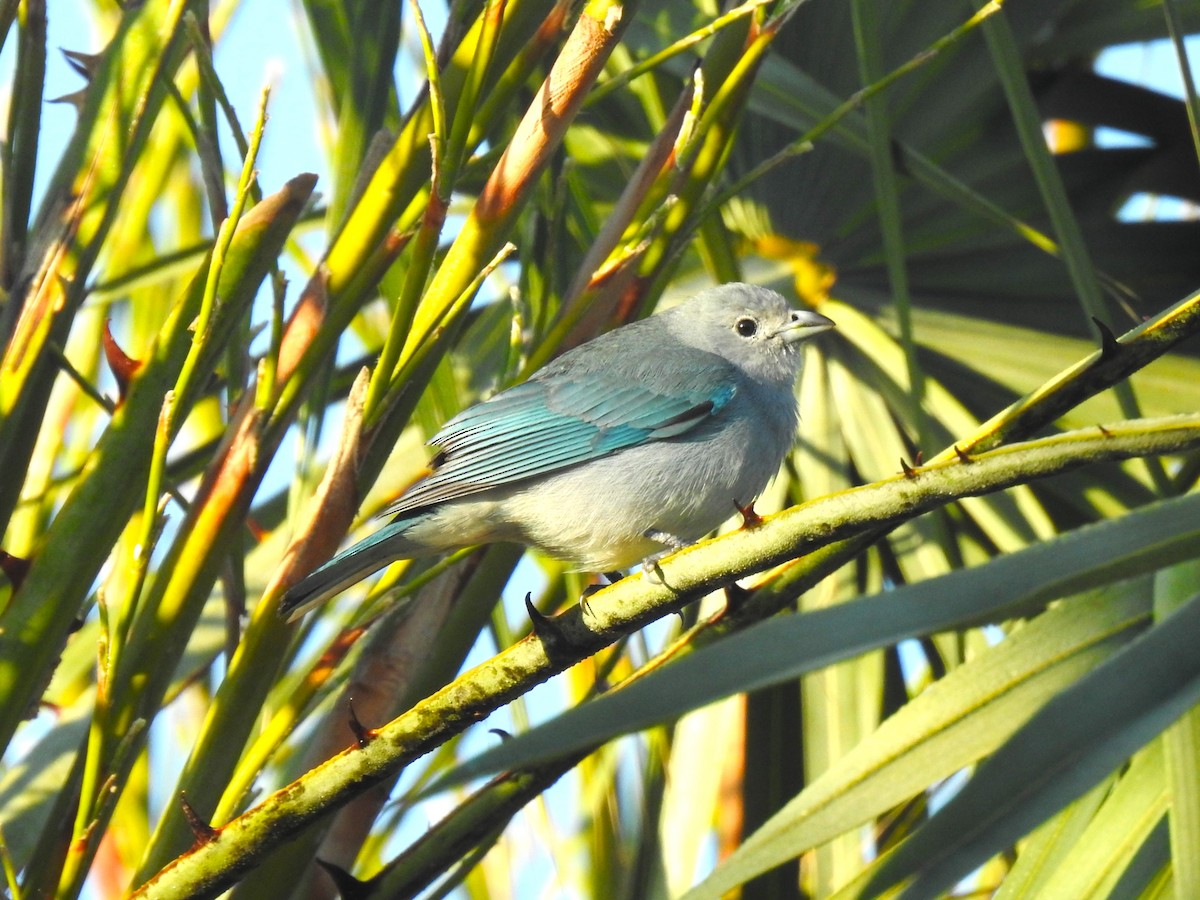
[
  {"x": 204, "y": 833},
  {"x": 750, "y": 518},
  {"x": 123, "y": 366},
  {"x": 1104, "y": 431},
  {"x": 257, "y": 532},
  {"x": 920, "y": 459},
  {"x": 15, "y": 568},
  {"x": 909, "y": 471},
  {"x": 962, "y": 454}
]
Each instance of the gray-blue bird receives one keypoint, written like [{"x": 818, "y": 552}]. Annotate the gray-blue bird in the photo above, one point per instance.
[{"x": 642, "y": 440}]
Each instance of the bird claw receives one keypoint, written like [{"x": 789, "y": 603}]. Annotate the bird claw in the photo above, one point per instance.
[
  {"x": 651, "y": 570},
  {"x": 585, "y": 608},
  {"x": 609, "y": 579}
]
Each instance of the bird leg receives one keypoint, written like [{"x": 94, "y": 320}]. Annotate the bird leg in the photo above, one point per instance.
[{"x": 650, "y": 567}]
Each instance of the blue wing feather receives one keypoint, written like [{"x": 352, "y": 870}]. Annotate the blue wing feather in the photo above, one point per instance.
[{"x": 560, "y": 419}]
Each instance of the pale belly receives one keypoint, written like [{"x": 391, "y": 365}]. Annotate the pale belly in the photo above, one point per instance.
[{"x": 596, "y": 517}]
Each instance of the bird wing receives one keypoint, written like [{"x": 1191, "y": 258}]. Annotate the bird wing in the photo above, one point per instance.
[{"x": 552, "y": 423}]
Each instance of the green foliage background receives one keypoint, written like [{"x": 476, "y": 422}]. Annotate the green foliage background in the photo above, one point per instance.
[{"x": 988, "y": 563}]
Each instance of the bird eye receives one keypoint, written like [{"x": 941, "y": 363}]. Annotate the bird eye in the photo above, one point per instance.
[{"x": 746, "y": 326}]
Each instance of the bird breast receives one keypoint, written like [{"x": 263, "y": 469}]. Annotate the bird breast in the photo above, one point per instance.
[{"x": 596, "y": 515}]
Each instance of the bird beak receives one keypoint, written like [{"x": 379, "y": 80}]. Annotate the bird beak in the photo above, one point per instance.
[{"x": 803, "y": 324}]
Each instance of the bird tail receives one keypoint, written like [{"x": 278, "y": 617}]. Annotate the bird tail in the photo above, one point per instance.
[{"x": 348, "y": 568}]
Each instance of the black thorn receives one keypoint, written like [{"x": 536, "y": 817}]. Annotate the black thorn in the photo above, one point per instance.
[
  {"x": 1109, "y": 345},
  {"x": 500, "y": 733},
  {"x": 84, "y": 64},
  {"x": 735, "y": 597},
  {"x": 348, "y": 887},
  {"x": 909, "y": 471},
  {"x": 362, "y": 734},
  {"x": 963, "y": 456},
  {"x": 555, "y": 641},
  {"x": 15, "y": 569}
]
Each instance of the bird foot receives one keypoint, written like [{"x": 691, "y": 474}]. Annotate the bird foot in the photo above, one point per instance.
[{"x": 651, "y": 570}]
